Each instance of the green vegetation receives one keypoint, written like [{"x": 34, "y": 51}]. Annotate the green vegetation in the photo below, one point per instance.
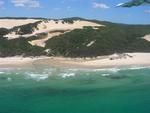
[
  {"x": 106, "y": 40},
  {"x": 71, "y": 20},
  {"x": 19, "y": 46},
  {"x": 87, "y": 42},
  {"x": 25, "y": 29},
  {"x": 21, "y": 30},
  {"x": 37, "y": 36},
  {"x": 3, "y": 31}
]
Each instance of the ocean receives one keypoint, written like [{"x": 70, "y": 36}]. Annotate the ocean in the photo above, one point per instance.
[{"x": 64, "y": 90}]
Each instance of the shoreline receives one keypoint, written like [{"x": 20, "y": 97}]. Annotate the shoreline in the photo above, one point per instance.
[{"x": 111, "y": 61}]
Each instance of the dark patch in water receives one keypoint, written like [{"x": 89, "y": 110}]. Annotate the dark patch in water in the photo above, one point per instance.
[
  {"x": 88, "y": 81},
  {"x": 50, "y": 91},
  {"x": 116, "y": 77},
  {"x": 84, "y": 81},
  {"x": 3, "y": 78}
]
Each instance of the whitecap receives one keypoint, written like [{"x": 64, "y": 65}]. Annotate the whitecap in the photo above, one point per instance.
[
  {"x": 105, "y": 74},
  {"x": 9, "y": 79},
  {"x": 1, "y": 72},
  {"x": 137, "y": 68},
  {"x": 74, "y": 69},
  {"x": 64, "y": 75},
  {"x": 37, "y": 77},
  {"x": 114, "y": 70}
]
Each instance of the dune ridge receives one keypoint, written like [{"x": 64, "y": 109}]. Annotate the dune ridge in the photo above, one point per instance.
[{"x": 46, "y": 26}]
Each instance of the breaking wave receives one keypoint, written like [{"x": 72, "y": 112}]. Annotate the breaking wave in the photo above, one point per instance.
[
  {"x": 37, "y": 76},
  {"x": 46, "y": 73},
  {"x": 65, "y": 75}
]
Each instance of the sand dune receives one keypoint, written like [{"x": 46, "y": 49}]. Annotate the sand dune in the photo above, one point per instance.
[
  {"x": 147, "y": 37},
  {"x": 58, "y": 25},
  {"x": 41, "y": 42},
  {"x": 45, "y": 27},
  {"x": 10, "y": 23}
]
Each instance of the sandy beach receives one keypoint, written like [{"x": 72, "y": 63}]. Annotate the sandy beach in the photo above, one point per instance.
[
  {"x": 18, "y": 61},
  {"x": 115, "y": 60}
]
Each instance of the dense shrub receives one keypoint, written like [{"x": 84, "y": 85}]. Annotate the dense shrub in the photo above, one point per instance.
[
  {"x": 3, "y": 31},
  {"x": 87, "y": 42},
  {"x": 19, "y": 46},
  {"x": 25, "y": 29},
  {"x": 107, "y": 40}
]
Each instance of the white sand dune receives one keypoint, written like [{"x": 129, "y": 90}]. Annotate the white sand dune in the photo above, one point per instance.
[
  {"x": 45, "y": 27},
  {"x": 53, "y": 25},
  {"x": 147, "y": 37},
  {"x": 10, "y": 23},
  {"x": 41, "y": 42}
]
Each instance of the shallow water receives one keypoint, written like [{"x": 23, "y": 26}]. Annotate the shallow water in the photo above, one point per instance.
[{"x": 62, "y": 90}]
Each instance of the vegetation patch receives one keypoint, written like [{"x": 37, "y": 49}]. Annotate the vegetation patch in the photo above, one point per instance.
[
  {"x": 86, "y": 42},
  {"x": 25, "y": 29},
  {"x": 114, "y": 38}
]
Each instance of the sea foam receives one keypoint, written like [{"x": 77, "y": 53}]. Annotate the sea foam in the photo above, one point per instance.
[
  {"x": 1, "y": 72},
  {"x": 105, "y": 74},
  {"x": 37, "y": 76},
  {"x": 65, "y": 75}
]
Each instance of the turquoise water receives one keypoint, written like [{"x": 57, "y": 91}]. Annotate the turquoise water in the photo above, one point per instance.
[{"x": 61, "y": 90}]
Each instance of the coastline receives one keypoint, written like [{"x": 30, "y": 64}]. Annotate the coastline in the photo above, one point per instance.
[
  {"x": 111, "y": 61},
  {"x": 18, "y": 61}
]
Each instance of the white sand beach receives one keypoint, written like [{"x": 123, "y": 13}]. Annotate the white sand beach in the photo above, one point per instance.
[
  {"x": 18, "y": 61},
  {"x": 121, "y": 60}
]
